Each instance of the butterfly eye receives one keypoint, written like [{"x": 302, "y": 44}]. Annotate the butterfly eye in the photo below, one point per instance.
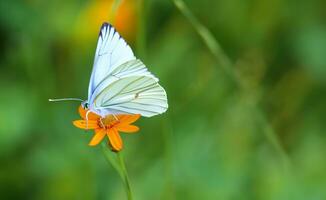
[{"x": 85, "y": 105}]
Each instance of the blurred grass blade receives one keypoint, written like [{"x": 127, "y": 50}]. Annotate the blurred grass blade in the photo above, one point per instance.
[
  {"x": 208, "y": 39},
  {"x": 141, "y": 33},
  {"x": 272, "y": 137},
  {"x": 226, "y": 64}
]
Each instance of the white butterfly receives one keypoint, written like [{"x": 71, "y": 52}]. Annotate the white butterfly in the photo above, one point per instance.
[{"x": 120, "y": 83}]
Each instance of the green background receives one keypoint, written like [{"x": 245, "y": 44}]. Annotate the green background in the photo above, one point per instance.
[{"x": 264, "y": 139}]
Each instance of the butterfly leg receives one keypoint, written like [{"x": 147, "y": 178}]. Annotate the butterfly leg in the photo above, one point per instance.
[{"x": 87, "y": 119}]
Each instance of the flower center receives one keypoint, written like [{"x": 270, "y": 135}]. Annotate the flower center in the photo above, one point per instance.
[{"x": 108, "y": 121}]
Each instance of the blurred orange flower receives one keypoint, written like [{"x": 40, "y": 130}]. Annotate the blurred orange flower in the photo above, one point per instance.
[
  {"x": 108, "y": 126},
  {"x": 96, "y": 12}
]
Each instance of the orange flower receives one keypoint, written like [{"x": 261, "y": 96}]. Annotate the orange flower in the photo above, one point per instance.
[
  {"x": 109, "y": 125},
  {"x": 94, "y": 13}
]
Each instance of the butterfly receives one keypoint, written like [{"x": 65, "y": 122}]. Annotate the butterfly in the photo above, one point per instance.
[{"x": 120, "y": 83}]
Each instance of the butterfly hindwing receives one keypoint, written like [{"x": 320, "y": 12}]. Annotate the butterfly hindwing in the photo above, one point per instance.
[
  {"x": 130, "y": 68},
  {"x": 133, "y": 95}
]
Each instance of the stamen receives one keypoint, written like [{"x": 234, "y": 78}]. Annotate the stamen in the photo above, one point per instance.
[
  {"x": 102, "y": 123},
  {"x": 115, "y": 117}
]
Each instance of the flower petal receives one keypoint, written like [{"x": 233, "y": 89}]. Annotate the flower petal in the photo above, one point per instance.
[
  {"x": 87, "y": 125},
  {"x": 127, "y": 128},
  {"x": 98, "y": 137},
  {"x": 115, "y": 139},
  {"x": 128, "y": 119},
  {"x": 90, "y": 116}
]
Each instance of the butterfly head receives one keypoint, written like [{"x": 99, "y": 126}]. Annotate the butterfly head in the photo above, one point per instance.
[{"x": 85, "y": 104}]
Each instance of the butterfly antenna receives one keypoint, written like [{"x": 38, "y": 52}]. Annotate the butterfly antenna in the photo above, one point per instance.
[{"x": 66, "y": 99}]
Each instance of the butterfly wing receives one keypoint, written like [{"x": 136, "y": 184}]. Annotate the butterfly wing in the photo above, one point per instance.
[
  {"x": 111, "y": 52},
  {"x": 130, "y": 89}
]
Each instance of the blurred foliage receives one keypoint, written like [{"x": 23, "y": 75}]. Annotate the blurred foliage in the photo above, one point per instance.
[{"x": 209, "y": 144}]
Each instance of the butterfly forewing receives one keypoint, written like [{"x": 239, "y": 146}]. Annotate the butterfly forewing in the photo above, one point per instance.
[
  {"x": 121, "y": 84},
  {"x": 111, "y": 52}
]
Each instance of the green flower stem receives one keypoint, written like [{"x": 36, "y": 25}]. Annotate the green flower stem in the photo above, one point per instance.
[
  {"x": 117, "y": 162},
  {"x": 124, "y": 175},
  {"x": 224, "y": 61},
  {"x": 109, "y": 156}
]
